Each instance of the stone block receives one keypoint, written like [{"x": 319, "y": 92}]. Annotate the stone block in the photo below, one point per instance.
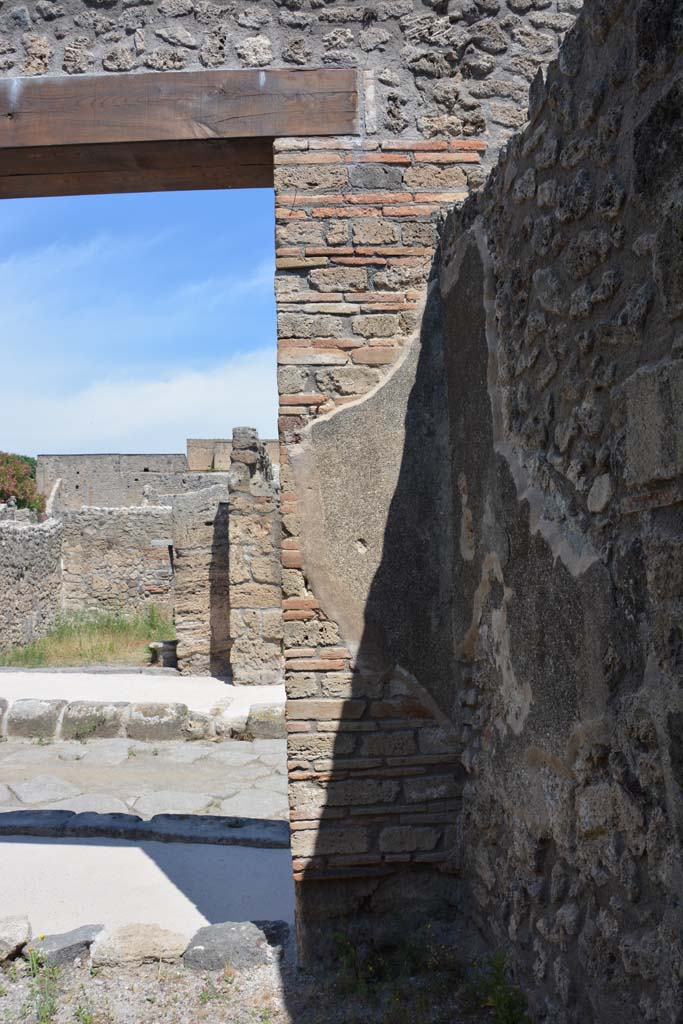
[
  {"x": 316, "y": 746},
  {"x": 241, "y": 945},
  {"x": 375, "y": 177},
  {"x": 357, "y": 792},
  {"x": 14, "y": 933},
  {"x": 408, "y": 839},
  {"x": 430, "y": 178},
  {"x": 339, "y": 279},
  {"x": 255, "y": 595},
  {"x": 85, "y": 719},
  {"x": 135, "y": 944},
  {"x": 325, "y": 710},
  {"x": 312, "y": 178},
  {"x": 431, "y": 787},
  {"x": 654, "y": 425},
  {"x": 34, "y": 719},
  {"x": 377, "y": 325},
  {"x": 396, "y": 743},
  {"x": 326, "y": 840},
  {"x": 57, "y": 950},
  {"x": 267, "y": 722},
  {"x": 156, "y": 721}
]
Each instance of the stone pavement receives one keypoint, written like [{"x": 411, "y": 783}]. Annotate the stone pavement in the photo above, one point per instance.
[{"x": 235, "y": 778}]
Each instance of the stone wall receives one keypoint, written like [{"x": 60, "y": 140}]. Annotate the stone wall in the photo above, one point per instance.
[
  {"x": 205, "y": 454},
  {"x": 117, "y": 559},
  {"x": 438, "y": 68},
  {"x": 30, "y": 575},
  {"x": 113, "y": 481},
  {"x": 256, "y": 630},
  {"x": 201, "y": 547},
  {"x": 563, "y": 323}
]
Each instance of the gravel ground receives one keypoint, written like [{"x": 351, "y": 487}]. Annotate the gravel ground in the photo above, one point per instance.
[{"x": 172, "y": 994}]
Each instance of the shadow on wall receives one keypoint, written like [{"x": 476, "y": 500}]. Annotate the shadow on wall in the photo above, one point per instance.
[
  {"x": 384, "y": 861},
  {"x": 219, "y": 594}
]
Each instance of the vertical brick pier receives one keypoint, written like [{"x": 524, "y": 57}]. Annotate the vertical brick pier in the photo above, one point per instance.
[{"x": 374, "y": 772}]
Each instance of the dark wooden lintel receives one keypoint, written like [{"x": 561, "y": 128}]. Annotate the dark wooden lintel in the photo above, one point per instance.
[
  {"x": 170, "y": 106},
  {"x": 136, "y": 167}
]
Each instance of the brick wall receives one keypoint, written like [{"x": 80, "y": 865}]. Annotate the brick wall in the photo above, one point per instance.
[{"x": 373, "y": 764}]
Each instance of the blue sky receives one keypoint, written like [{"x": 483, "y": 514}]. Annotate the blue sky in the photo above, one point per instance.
[{"x": 130, "y": 322}]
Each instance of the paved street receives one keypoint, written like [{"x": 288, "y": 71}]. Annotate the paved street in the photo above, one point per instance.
[{"x": 234, "y": 778}]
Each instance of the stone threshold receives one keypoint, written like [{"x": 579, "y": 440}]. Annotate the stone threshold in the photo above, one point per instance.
[{"x": 208, "y": 829}]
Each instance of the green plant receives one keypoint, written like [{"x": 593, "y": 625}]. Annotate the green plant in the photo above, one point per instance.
[
  {"x": 490, "y": 988},
  {"x": 17, "y": 480},
  {"x": 209, "y": 993},
  {"x": 83, "y": 1015},
  {"x": 44, "y": 986}
]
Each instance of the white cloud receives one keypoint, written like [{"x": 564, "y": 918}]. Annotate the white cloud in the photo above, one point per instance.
[{"x": 154, "y": 414}]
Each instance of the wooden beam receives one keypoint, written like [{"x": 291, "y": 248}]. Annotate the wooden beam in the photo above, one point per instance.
[
  {"x": 136, "y": 167},
  {"x": 172, "y": 106}
]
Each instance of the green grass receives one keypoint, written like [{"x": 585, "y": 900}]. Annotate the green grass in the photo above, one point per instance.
[
  {"x": 106, "y": 638},
  {"x": 491, "y": 989}
]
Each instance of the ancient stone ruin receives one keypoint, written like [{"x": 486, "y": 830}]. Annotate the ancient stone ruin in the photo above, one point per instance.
[
  {"x": 197, "y": 536},
  {"x": 481, "y": 448}
]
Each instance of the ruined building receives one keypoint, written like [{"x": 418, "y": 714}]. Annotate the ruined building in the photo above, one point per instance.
[
  {"x": 196, "y": 536},
  {"x": 481, "y": 453}
]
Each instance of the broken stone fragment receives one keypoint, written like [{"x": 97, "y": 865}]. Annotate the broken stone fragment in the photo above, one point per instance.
[
  {"x": 135, "y": 944},
  {"x": 64, "y": 948},
  {"x": 240, "y": 944},
  {"x": 14, "y": 933}
]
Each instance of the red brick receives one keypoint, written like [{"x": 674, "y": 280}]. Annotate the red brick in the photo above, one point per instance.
[
  {"x": 344, "y": 144},
  {"x": 317, "y": 708},
  {"x": 326, "y": 250},
  {"x": 290, "y": 215},
  {"x": 379, "y": 158},
  {"x": 299, "y": 652},
  {"x": 290, "y": 544},
  {"x": 442, "y": 197},
  {"x": 340, "y": 212},
  {"x": 416, "y": 210},
  {"x": 288, "y": 199},
  {"x": 313, "y": 399},
  {"x": 315, "y": 666},
  {"x": 394, "y": 250},
  {"x": 307, "y": 158},
  {"x": 449, "y": 158},
  {"x": 376, "y": 197},
  {"x": 415, "y": 145},
  {"x": 365, "y": 261},
  {"x": 292, "y": 560},
  {"x": 298, "y": 616},
  {"x": 300, "y": 602},
  {"x": 468, "y": 144},
  {"x": 375, "y": 356}
]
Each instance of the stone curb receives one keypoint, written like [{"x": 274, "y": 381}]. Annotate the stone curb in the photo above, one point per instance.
[
  {"x": 240, "y": 944},
  {"x": 55, "y": 720},
  {"x": 214, "y": 830}
]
